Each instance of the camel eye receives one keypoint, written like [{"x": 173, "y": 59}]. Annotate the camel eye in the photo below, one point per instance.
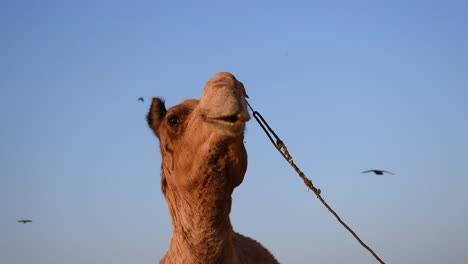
[{"x": 173, "y": 121}]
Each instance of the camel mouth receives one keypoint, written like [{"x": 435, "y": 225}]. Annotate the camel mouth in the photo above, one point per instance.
[
  {"x": 229, "y": 119},
  {"x": 233, "y": 123},
  {"x": 241, "y": 117}
]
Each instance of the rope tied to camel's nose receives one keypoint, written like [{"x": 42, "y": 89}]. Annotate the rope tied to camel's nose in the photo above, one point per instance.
[{"x": 281, "y": 147}]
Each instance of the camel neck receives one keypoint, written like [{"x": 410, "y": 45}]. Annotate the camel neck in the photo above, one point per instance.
[{"x": 202, "y": 230}]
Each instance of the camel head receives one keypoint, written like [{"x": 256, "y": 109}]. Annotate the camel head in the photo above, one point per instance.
[{"x": 201, "y": 140}]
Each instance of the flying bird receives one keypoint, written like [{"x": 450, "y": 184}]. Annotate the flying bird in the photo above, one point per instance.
[
  {"x": 24, "y": 221},
  {"x": 141, "y": 99},
  {"x": 378, "y": 172}
]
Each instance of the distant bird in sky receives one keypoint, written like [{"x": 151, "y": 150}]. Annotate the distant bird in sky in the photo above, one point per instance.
[
  {"x": 24, "y": 221},
  {"x": 141, "y": 99},
  {"x": 378, "y": 172}
]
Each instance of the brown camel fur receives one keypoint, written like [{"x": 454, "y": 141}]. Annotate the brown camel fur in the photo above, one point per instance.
[{"x": 203, "y": 160}]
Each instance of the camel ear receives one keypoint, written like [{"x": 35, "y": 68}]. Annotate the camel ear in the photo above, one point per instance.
[{"x": 156, "y": 114}]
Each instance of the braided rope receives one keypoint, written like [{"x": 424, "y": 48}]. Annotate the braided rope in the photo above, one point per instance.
[{"x": 281, "y": 147}]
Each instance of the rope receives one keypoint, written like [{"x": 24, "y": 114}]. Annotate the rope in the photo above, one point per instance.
[{"x": 281, "y": 147}]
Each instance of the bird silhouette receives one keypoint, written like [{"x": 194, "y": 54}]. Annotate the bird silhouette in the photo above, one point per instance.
[
  {"x": 24, "y": 221},
  {"x": 141, "y": 99},
  {"x": 378, "y": 172}
]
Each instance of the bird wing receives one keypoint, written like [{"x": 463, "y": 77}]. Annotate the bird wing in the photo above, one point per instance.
[
  {"x": 389, "y": 172},
  {"x": 367, "y": 171}
]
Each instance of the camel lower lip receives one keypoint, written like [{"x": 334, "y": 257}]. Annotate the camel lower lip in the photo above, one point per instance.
[
  {"x": 232, "y": 119},
  {"x": 229, "y": 122}
]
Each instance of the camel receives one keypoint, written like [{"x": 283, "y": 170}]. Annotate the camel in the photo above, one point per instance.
[{"x": 203, "y": 160}]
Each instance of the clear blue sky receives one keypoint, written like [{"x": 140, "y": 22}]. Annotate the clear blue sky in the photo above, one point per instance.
[{"x": 349, "y": 86}]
